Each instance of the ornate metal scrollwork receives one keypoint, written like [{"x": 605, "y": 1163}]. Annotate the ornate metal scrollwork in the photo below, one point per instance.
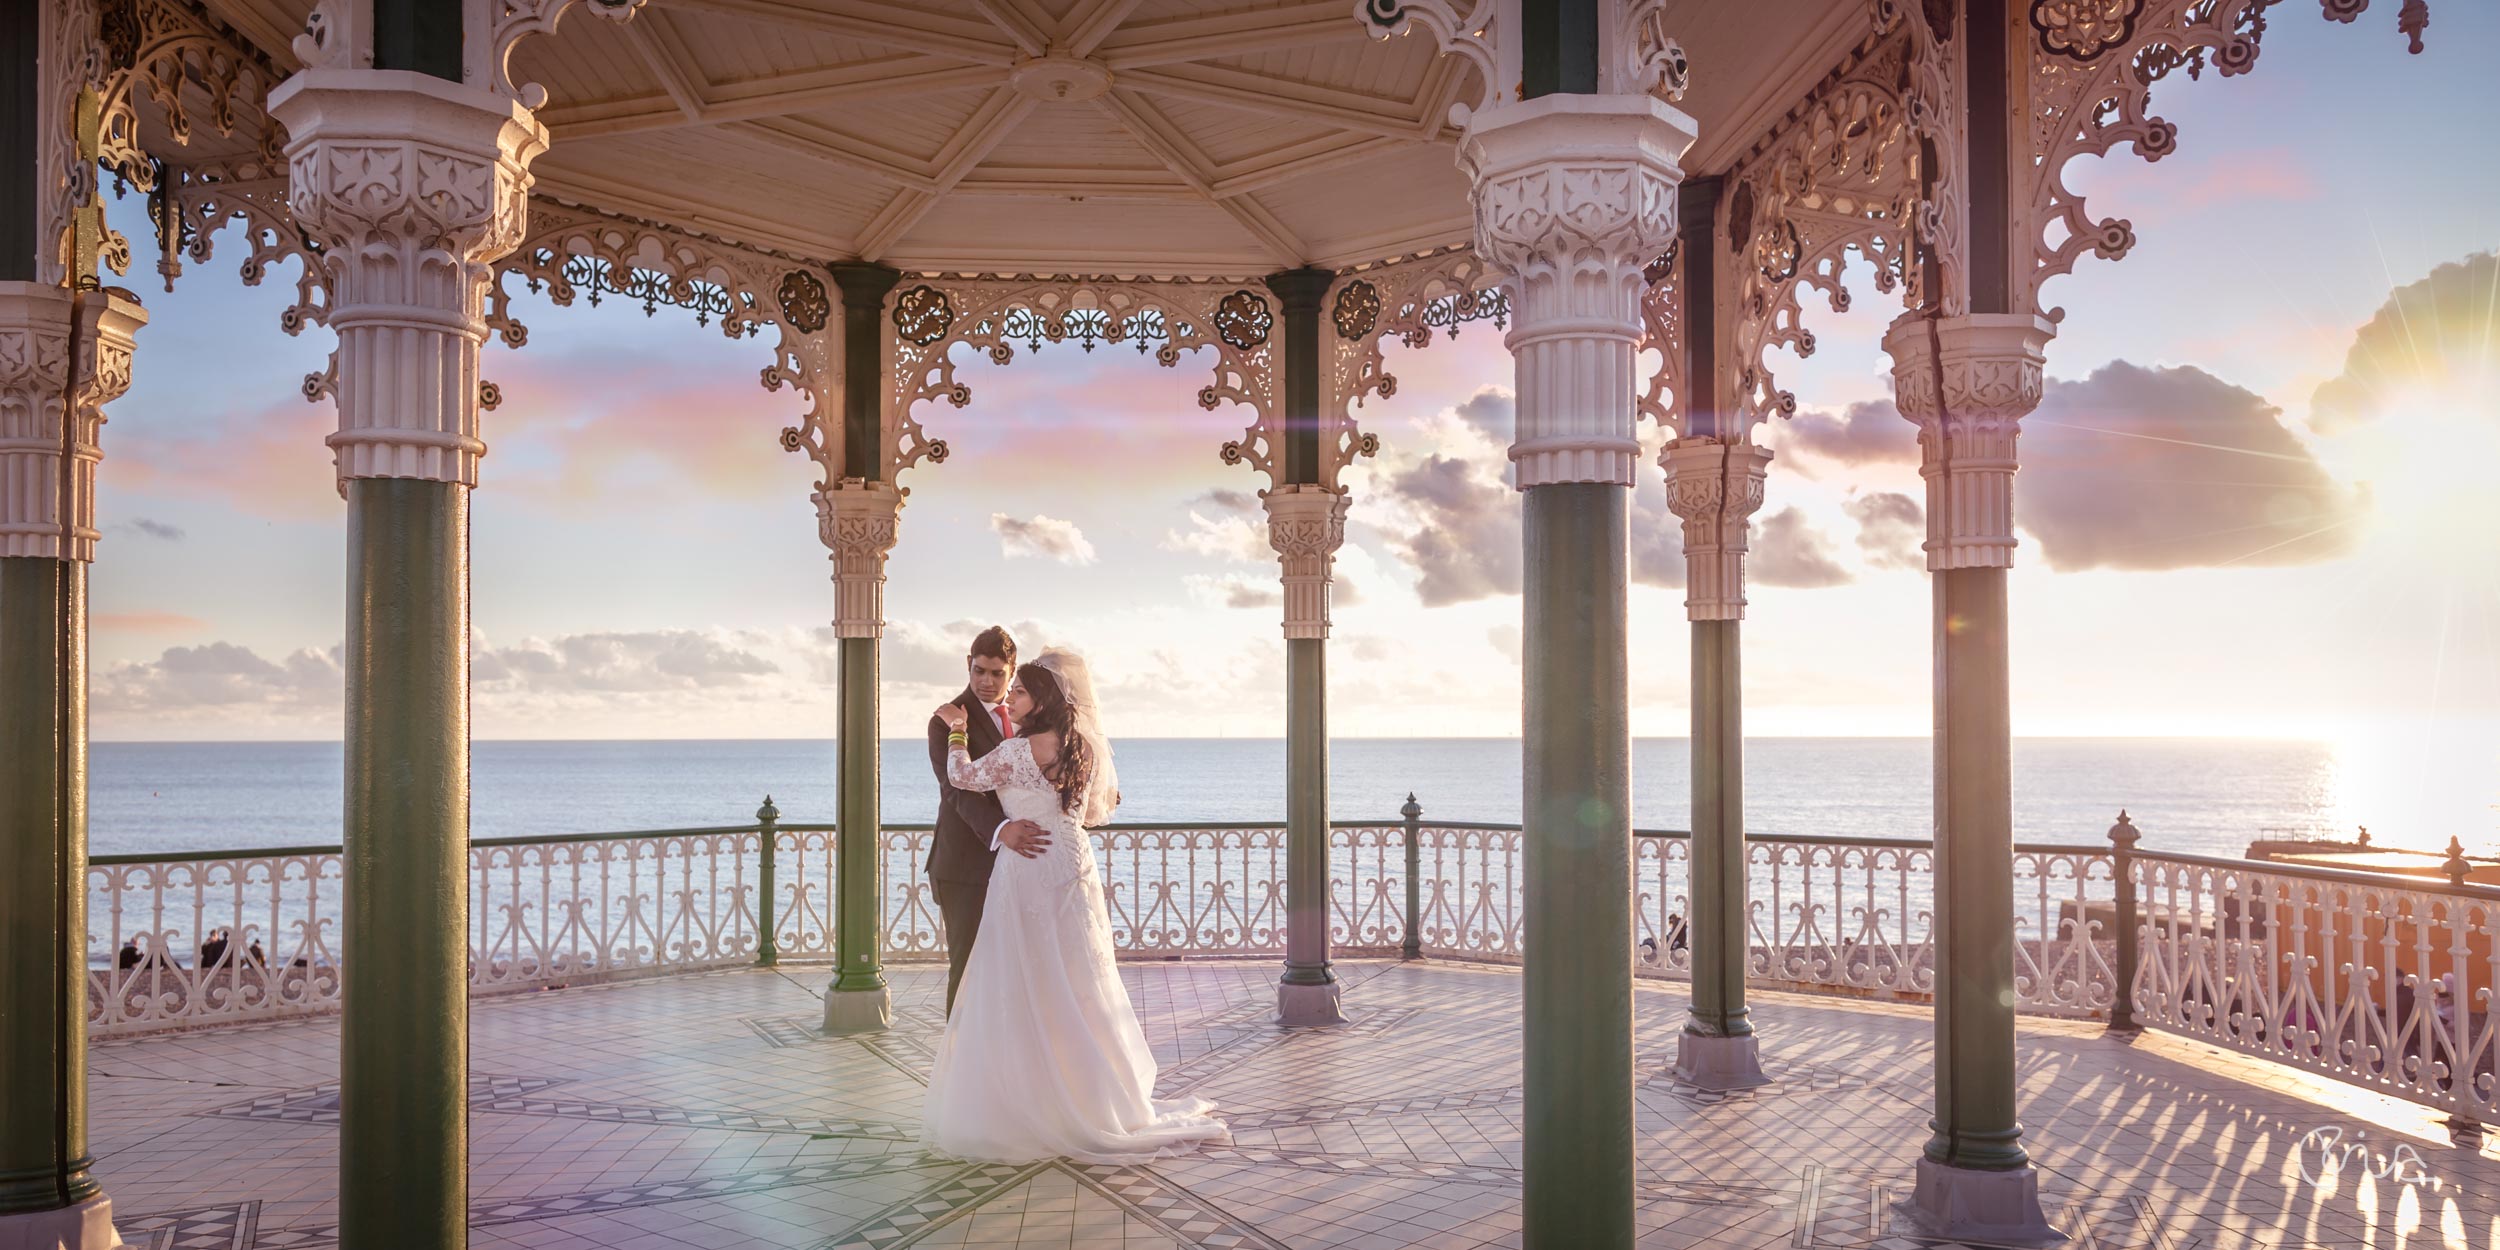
[
  {"x": 706, "y": 300},
  {"x": 995, "y": 317},
  {"x": 1357, "y": 310},
  {"x": 804, "y": 301},
  {"x": 1243, "y": 319},
  {"x": 923, "y": 315},
  {"x": 1451, "y": 311},
  {"x": 2081, "y": 30}
]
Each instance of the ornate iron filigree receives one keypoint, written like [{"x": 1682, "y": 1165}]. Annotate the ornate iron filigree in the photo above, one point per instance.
[
  {"x": 573, "y": 250},
  {"x": 2081, "y": 30},
  {"x": 176, "y": 55},
  {"x": 995, "y": 316},
  {"x": 705, "y": 299},
  {"x": 1839, "y": 175},
  {"x": 1357, "y": 309},
  {"x": 923, "y": 315},
  {"x": 2093, "y": 94},
  {"x": 1087, "y": 326},
  {"x": 1243, "y": 319},
  {"x": 804, "y": 298}
]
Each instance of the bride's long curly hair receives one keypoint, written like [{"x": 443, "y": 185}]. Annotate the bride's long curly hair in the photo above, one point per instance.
[{"x": 1074, "y": 767}]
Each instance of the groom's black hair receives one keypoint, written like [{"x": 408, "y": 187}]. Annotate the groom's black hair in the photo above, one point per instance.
[{"x": 996, "y": 643}]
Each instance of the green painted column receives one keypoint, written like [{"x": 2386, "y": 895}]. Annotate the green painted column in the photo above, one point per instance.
[
  {"x": 858, "y": 515},
  {"x": 1717, "y": 924},
  {"x": 859, "y": 1000},
  {"x": 44, "y": 1166},
  {"x": 1306, "y": 525},
  {"x": 1966, "y": 383},
  {"x": 1577, "y": 983},
  {"x": 1975, "y": 1124},
  {"x": 404, "y": 1038},
  {"x": 1308, "y": 993},
  {"x": 407, "y": 447}
]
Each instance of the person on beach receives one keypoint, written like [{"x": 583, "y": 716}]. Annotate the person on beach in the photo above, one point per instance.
[{"x": 971, "y": 826}]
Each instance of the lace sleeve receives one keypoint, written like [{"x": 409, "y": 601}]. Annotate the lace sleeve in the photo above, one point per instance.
[{"x": 993, "y": 771}]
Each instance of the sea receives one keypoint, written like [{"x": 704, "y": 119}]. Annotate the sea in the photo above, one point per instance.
[{"x": 2201, "y": 795}]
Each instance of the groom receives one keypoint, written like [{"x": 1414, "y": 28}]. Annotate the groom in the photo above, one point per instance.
[{"x": 971, "y": 826}]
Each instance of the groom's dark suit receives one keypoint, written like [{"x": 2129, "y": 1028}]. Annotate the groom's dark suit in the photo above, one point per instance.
[{"x": 959, "y": 855}]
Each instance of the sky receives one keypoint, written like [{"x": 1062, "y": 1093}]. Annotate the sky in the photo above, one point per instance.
[{"x": 2258, "y": 500}]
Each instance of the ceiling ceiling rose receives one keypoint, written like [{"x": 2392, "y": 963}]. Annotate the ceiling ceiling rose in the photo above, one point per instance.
[{"x": 1057, "y": 78}]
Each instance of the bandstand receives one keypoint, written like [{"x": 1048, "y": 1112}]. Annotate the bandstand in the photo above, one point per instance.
[{"x": 1642, "y": 195}]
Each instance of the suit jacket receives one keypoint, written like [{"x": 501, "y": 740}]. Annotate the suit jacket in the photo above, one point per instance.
[{"x": 960, "y": 852}]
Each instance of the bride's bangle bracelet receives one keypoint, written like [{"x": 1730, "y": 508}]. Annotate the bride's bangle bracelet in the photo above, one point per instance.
[{"x": 957, "y": 739}]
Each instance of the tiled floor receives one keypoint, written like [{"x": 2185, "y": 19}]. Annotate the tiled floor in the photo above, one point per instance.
[{"x": 708, "y": 1112}]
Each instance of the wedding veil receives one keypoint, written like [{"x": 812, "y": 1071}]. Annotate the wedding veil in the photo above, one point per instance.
[{"x": 1076, "y": 684}]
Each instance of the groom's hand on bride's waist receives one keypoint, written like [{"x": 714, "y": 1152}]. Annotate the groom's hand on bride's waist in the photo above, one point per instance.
[{"x": 1024, "y": 838}]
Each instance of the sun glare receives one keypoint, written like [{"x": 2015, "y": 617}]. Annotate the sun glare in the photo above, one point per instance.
[{"x": 2431, "y": 461}]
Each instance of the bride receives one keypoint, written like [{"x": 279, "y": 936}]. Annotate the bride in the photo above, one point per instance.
[{"x": 1043, "y": 1055}]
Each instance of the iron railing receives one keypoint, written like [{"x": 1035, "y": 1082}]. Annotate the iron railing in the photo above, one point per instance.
[
  {"x": 2376, "y": 980},
  {"x": 2337, "y": 972},
  {"x": 220, "y": 937}
]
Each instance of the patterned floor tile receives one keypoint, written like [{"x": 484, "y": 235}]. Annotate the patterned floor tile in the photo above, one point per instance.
[
  {"x": 211, "y": 1228},
  {"x": 696, "y": 1113}
]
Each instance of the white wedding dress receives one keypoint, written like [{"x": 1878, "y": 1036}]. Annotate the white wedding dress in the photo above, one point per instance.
[{"x": 1043, "y": 1056}]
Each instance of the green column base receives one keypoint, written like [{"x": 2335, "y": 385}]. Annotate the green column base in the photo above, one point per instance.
[
  {"x": 1999, "y": 1207},
  {"x": 86, "y": 1225},
  {"x": 1310, "y": 1006},
  {"x": 859, "y": 1011},
  {"x": 1719, "y": 1063}
]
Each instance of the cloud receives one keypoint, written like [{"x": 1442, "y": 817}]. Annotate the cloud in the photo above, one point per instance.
[
  {"x": 1234, "y": 590},
  {"x": 1493, "y": 412},
  {"x": 156, "y": 529},
  {"x": 145, "y": 622},
  {"x": 271, "y": 461},
  {"x": 2440, "y": 333},
  {"x": 2137, "y": 468},
  {"x": 1462, "y": 536},
  {"x": 639, "y": 662},
  {"x": 2141, "y": 468},
  {"x": 1892, "y": 529},
  {"x": 1788, "y": 551},
  {"x": 1233, "y": 538},
  {"x": 221, "y": 676},
  {"x": 1043, "y": 537},
  {"x": 1467, "y": 543},
  {"x": 1867, "y": 432}
]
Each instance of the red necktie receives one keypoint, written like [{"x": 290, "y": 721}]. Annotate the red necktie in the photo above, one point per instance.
[{"x": 1005, "y": 730}]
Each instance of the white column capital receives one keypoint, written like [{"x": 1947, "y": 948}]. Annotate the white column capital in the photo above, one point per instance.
[
  {"x": 859, "y": 521},
  {"x": 1967, "y": 383},
  {"x": 35, "y": 360},
  {"x": 1715, "y": 487},
  {"x": 1573, "y": 196},
  {"x": 1306, "y": 525},
  {"x": 413, "y": 186}
]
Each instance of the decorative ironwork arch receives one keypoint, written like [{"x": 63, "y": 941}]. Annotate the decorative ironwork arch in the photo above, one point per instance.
[
  {"x": 575, "y": 253},
  {"x": 929, "y": 315},
  {"x": 1407, "y": 300}
]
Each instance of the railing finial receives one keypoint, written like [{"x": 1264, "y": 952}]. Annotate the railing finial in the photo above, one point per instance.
[
  {"x": 2456, "y": 866},
  {"x": 2124, "y": 832}
]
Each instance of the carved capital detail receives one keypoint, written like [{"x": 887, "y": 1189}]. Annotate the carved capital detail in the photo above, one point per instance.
[
  {"x": 1306, "y": 526},
  {"x": 1574, "y": 196},
  {"x": 1967, "y": 383},
  {"x": 34, "y": 364},
  {"x": 414, "y": 187},
  {"x": 1715, "y": 487},
  {"x": 859, "y": 521}
]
